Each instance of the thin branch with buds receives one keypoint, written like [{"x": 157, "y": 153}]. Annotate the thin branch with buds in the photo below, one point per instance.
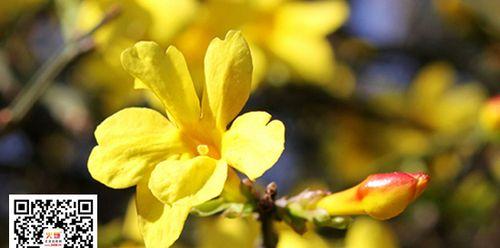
[{"x": 266, "y": 208}]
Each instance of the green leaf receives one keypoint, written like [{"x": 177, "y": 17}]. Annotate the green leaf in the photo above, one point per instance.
[
  {"x": 209, "y": 208},
  {"x": 339, "y": 222},
  {"x": 298, "y": 224},
  {"x": 218, "y": 205},
  {"x": 238, "y": 210}
]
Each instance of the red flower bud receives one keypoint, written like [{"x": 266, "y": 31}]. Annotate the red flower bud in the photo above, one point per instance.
[{"x": 381, "y": 196}]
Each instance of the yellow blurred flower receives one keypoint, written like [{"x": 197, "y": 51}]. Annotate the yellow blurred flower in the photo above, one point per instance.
[
  {"x": 356, "y": 146},
  {"x": 130, "y": 227},
  {"x": 381, "y": 196},
  {"x": 214, "y": 232},
  {"x": 288, "y": 238},
  {"x": 122, "y": 232},
  {"x": 244, "y": 232},
  {"x": 435, "y": 100},
  {"x": 445, "y": 167},
  {"x": 287, "y": 38},
  {"x": 434, "y": 112},
  {"x": 474, "y": 199},
  {"x": 101, "y": 71},
  {"x": 370, "y": 233},
  {"x": 347, "y": 152},
  {"x": 490, "y": 116},
  {"x": 182, "y": 161}
]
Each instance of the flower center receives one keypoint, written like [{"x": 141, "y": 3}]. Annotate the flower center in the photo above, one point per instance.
[{"x": 203, "y": 150}]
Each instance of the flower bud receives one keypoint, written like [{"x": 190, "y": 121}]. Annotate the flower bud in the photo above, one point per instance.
[
  {"x": 490, "y": 116},
  {"x": 381, "y": 196}
]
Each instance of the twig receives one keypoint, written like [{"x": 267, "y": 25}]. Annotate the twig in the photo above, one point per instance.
[
  {"x": 266, "y": 208},
  {"x": 45, "y": 75}
]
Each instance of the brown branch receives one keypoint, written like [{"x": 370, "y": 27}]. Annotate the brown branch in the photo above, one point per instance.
[
  {"x": 266, "y": 208},
  {"x": 45, "y": 75}
]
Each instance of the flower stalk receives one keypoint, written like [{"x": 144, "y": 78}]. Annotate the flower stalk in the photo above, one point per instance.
[{"x": 266, "y": 209}]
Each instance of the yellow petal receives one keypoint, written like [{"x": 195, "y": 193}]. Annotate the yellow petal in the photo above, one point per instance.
[
  {"x": 431, "y": 83},
  {"x": 311, "y": 58},
  {"x": 130, "y": 142},
  {"x": 342, "y": 203},
  {"x": 288, "y": 238},
  {"x": 458, "y": 108},
  {"x": 253, "y": 144},
  {"x": 160, "y": 224},
  {"x": 139, "y": 85},
  {"x": 168, "y": 77},
  {"x": 130, "y": 229},
  {"x": 219, "y": 231},
  {"x": 428, "y": 87},
  {"x": 386, "y": 205},
  {"x": 91, "y": 13},
  {"x": 317, "y": 18},
  {"x": 228, "y": 78},
  {"x": 133, "y": 122},
  {"x": 232, "y": 191},
  {"x": 169, "y": 17},
  {"x": 267, "y": 5},
  {"x": 197, "y": 180},
  {"x": 259, "y": 62},
  {"x": 88, "y": 15},
  {"x": 369, "y": 233}
]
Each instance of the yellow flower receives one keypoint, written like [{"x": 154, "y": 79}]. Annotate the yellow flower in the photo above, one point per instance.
[
  {"x": 287, "y": 38},
  {"x": 101, "y": 72},
  {"x": 157, "y": 19},
  {"x": 183, "y": 161},
  {"x": 130, "y": 229},
  {"x": 490, "y": 116},
  {"x": 382, "y": 196},
  {"x": 218, "y": 231},
  {"x": 370, "y": 233},
  {"x": 436, "y": 100},
  {"x": 244, "y": 232},
  {"x": 288, "y": 238},
  {"x": 439, "y": 111}
]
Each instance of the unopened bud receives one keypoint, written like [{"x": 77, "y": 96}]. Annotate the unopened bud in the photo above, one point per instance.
[{"x": 382, "y": 196}]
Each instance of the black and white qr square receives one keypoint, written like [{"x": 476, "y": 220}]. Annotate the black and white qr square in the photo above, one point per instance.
[
  {"x": 53, "y": 221},
  {"x": 21, "y": 207},
  {"x": 85, "y": 207}
]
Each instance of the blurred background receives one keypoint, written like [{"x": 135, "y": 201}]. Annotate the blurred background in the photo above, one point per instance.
[{"x": 363, "y": 86}]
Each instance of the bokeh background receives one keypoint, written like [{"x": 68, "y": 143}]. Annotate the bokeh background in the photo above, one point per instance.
[{"x": 363, "y": 86}]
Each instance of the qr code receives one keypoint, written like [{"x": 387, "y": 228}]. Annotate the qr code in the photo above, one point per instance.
[{"x": 52, "y": 221}]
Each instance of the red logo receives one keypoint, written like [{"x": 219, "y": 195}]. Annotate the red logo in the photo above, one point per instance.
[{"x": 53, "y": 237}]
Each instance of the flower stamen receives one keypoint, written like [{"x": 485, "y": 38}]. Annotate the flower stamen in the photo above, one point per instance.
[{"x": 202, "y": 150}]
